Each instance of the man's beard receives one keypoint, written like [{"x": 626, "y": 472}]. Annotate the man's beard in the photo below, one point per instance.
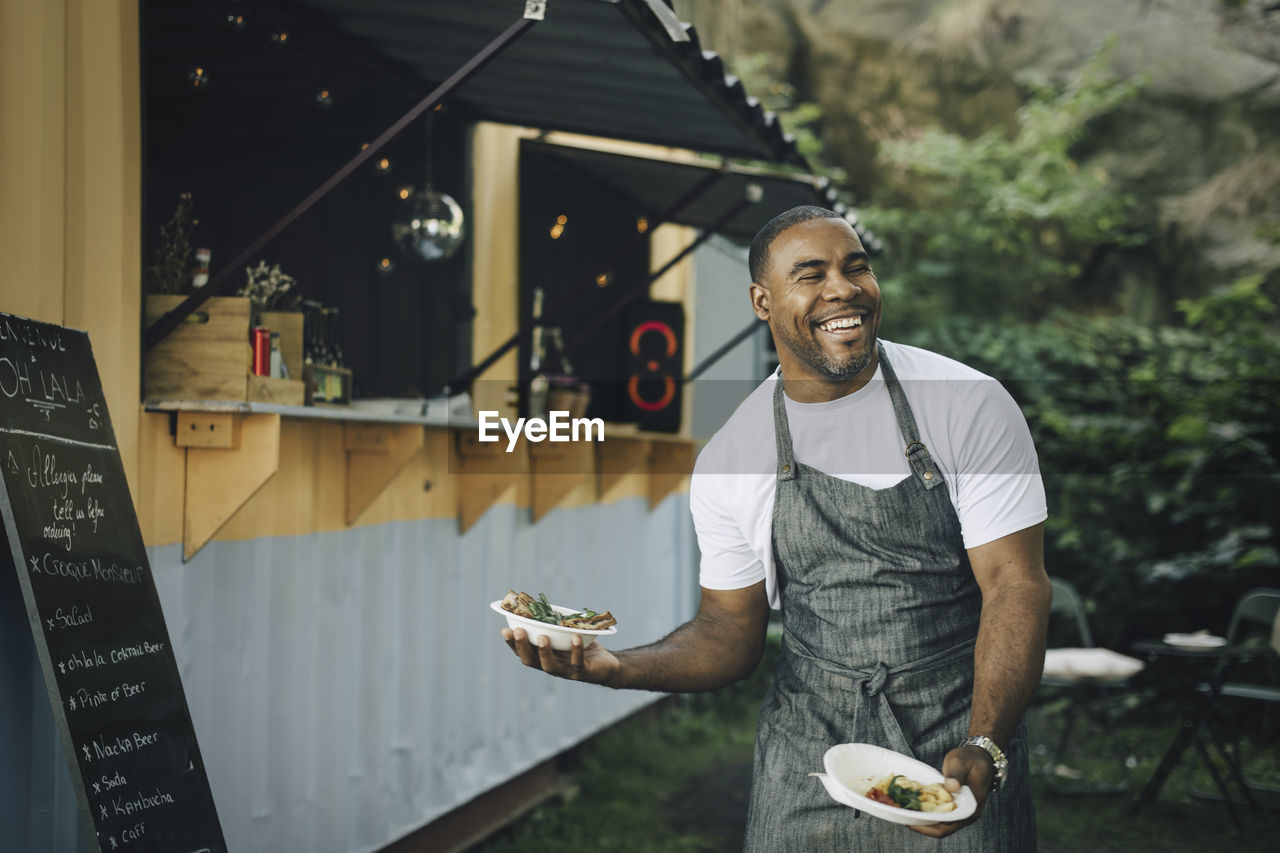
[{"x": 822, "y": 362}]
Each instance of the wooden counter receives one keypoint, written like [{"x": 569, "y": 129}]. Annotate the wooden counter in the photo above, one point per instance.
[{"x": 246, "y": 470}]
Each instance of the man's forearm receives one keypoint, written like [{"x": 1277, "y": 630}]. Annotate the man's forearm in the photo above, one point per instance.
[
  {"x": 705, "y": 653},
  {"x": 1009, "y": 657}
]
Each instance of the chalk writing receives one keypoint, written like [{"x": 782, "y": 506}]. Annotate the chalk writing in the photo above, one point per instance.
[
  {"x": 80, "y": 660},
  {"x": 38, "y": 337},
  {"x": 140, "y": 802},
  {"x": 120, "y": 745},
  {"x": 133, "y": 833},
  {"x": 83, "y": 698},
  {"x": 90, "y": 476},
  {"x": 53, "y": 389},
  {"x": 128, "y": 691},
  {"x": 73, "y": 618},
  {"x": 106, "y": 783},
  {"x": 87, "y": 569},
  {"x": 58, "y": 534},
  {"x": 129, "y": 652},
  {"x": 44, "y": 473},
  {"x": 68, "y": 510}
]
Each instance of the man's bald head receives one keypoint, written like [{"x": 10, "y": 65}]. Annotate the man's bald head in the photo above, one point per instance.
[{"x": 758, "y": 256}]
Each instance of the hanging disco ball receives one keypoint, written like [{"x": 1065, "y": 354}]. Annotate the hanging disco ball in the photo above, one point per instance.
[{"x": 430, "y": 225}]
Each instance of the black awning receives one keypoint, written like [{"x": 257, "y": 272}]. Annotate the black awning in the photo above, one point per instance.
[
  {"x": 624, "y": 69},
  {"x": 651, "y": 185}
]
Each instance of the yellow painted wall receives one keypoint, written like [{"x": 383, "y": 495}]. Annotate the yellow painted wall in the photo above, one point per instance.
[{"x": 70, "y": 183}]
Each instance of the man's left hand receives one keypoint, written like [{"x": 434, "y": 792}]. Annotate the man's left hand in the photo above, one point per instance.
[{"x": 967, "y": 765}]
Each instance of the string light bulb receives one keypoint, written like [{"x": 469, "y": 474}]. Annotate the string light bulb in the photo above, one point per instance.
[
  {"x": 385, "y": 266},
  {"x": 405, "y": 191},
  {"x": 383, "y": 166},
  {"x": 198, "y": 76},
  {"x": 324, "y": 98}
]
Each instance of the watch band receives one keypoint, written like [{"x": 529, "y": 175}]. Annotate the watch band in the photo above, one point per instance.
[{"x": 997, "y": 757}]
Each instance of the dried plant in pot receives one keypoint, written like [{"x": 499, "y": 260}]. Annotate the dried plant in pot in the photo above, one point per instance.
[
  {"x": 206, "y": 356},
  {"x": 276, "y": 304}
]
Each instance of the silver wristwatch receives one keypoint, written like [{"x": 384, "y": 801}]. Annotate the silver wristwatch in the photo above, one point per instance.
[{"x": 997, "y": 757}]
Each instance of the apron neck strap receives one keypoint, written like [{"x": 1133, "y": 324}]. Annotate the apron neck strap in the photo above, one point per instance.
[
  {"x": 782, "y": 433},
  {"x": 921, "y": 461},
  {"x": 922, "y": 464}
]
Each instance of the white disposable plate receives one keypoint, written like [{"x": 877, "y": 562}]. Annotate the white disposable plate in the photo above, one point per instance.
[
  {"x": 853, "y": 768},
  {"x": 1195, "y": 641},
  {"x": 561, "y": 638}
]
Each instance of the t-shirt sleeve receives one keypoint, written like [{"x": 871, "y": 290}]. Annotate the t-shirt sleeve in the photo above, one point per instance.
[
  {"x": 728, "y": 562},
  {"x": 999, "y": 489}
]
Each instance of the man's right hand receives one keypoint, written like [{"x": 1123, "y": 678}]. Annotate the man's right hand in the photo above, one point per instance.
[
  {"x": 721, "y": 644},
  {"x": 596, "y": 665}
]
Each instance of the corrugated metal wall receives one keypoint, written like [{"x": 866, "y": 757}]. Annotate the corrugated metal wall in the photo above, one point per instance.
[{"x": 348, "y": 688}]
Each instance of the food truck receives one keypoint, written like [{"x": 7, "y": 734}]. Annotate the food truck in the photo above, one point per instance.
[{"x": 312, "y": 244}]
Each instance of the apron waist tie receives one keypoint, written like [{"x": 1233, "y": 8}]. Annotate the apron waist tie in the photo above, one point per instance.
[{"x": 871, "y": 682}]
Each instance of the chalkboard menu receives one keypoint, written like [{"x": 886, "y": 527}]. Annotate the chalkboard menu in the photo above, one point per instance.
[{"x": 99, "y": 631}]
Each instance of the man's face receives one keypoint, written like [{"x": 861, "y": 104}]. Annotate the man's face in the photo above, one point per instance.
[{"x": 822, "y": 303}]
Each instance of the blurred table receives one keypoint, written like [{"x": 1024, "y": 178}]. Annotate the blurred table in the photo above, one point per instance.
[{"x": 1197, "y": 700}]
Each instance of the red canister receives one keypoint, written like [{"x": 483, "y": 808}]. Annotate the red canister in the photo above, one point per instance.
[{"x": 261, "y": 351}]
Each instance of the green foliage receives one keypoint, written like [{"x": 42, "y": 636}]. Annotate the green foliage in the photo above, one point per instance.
[
  {"x": 1160, "y": 450},
  {"x": 1002, "y": 226},
  {"x": 802, "y": 119},
  {"x": 630, "y": 774},
  {"x": 1071, "y": 814},
  {"x": 1159, "y": 445}
]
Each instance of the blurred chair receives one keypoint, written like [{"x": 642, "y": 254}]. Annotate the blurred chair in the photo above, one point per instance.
[
  {"x": 1255, "y": 620},
  {"x": 1093, "y": 680}
]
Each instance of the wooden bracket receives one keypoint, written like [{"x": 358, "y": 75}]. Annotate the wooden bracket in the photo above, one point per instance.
[
  {"x": 221, "y": 479},
  {"x": 487, "y": 472},
  {"x": 219, "y": 430},
  {"x": 617, "y": 458},
  {"x": 670, "y": 463},
  {"x": 557, "y": 470},
  {"x": 376, "y": 453}
]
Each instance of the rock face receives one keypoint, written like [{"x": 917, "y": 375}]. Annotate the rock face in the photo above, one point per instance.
[{"x": 1200, "y": 147}]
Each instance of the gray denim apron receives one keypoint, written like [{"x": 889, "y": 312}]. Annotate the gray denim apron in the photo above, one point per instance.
[{"x": 880, "y": 614}]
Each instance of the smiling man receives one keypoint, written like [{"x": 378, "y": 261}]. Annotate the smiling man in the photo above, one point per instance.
[{"x": 887, "y": 500}]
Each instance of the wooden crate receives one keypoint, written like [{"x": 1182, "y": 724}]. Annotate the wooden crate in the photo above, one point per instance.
[
  {"x": 285, "y": 392},
  {"x": 327, "y": 386},
  {"x": 208, "y": 357},
  {"x": 289, "y": 325}
]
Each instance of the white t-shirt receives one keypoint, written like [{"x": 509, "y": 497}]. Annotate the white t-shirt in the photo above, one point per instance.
[{"x": 971, "y": 426}]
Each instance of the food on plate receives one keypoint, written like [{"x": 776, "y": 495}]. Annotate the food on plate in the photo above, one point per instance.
[
  {"x": 908, "y": 794},
  {"x": 523, "y": 604}
]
